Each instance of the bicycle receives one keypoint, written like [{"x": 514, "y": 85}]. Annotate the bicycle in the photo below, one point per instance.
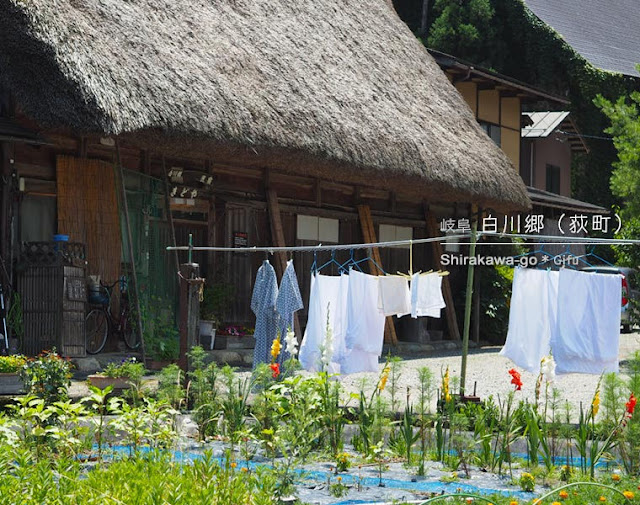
[{"x": 100, "y": 322}]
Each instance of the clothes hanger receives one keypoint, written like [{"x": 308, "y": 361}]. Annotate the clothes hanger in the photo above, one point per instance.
[
  {"x": 331, "y": 261},
  {"x": 410, "y": 274}
]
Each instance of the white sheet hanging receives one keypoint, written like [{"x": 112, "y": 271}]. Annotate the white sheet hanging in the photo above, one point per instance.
[
  {"x": 365, "y": 325},
  {"x": 394, "y": 297},
  {"x": 328, "y": 295},
  {"x": 586, "y": 337},
  {"x": 426, "y": 295},
  {"x": 531, "y": 317}
]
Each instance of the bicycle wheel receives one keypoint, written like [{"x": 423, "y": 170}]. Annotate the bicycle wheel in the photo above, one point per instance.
[
  {"x": 96, "y": 330},
  {"x": 130, "y": 335}
]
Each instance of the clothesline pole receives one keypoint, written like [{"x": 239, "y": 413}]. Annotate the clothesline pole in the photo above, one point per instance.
[{"x": 468, "y": 300}]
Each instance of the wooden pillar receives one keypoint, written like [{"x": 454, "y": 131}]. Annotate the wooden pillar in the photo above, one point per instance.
[
  {"x": 6, "y": 176},
  {"x": 190, "y": 285},
  {"x": 450, "y": 310}
]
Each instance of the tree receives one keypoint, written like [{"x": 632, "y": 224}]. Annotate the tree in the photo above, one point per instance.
[
  {"x": 462, "y": 28},
  {"x": 624, "y": 115}
]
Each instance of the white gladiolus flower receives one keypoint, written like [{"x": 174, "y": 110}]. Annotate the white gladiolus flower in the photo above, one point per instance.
[
  {"x": 291, "y": 343},
  {"x": 327, "y": 347},
  {"x": 548, "y": 368}
]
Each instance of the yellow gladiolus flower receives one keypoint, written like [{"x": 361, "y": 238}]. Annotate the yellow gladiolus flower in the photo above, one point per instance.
[
  {"x": 615, "y": 477},
  {"x": 556, "y": 503},
  {"x": 275, "y": 348},
  {"x": 445, "y": 386},
  {"x": 628, "y": 495},
  {"x": 602, "y": 499},
  {"x": 563, "y": 494},
  {"x": 383, "y": 378},
  {"x": 595, "y": 404}
]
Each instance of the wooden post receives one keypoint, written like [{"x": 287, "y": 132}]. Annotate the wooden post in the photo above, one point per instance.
[
  {"x": 450, "y": 310},
  {"x": 136, "y": 286},
  {"x": 369, "y": 235},
  {"x": 190, "y": 285},
  {"x": 468, "y": 299}
]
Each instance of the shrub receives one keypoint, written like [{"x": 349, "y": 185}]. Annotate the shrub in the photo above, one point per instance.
[
  {"x": 48, "y": 376},
  {"x": 128, "y": 367},
  {"x": 12, "y": 364}
]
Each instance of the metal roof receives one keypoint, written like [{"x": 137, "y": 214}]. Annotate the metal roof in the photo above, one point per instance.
[
  {"x": 543, "y": 198},
  {"x": 543, "y": 123},
  {"x": 605, "y": 33},
  {"x": 463, "y": 70}
]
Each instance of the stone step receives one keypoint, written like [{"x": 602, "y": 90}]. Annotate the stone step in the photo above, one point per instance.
[{"x": 233, "y": 357}]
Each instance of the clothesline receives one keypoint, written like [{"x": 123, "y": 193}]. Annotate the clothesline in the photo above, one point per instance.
[{"x": 558, "y": 240}]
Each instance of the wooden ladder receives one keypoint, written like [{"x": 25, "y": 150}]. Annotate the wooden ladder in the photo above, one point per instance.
[
  {"x": 277, "y": 238},
  {"x": 450, "y": 310},
  {"x": 369, "y": 235}
]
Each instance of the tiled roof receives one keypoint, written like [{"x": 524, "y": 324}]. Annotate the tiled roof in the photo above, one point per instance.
[{"x": 604, "y": 32}]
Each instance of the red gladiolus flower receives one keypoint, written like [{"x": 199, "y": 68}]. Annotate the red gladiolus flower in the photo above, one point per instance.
[
  {"x": 631, "y": 404},
  {"x": 275, "y": 367},
  {"x": 515, "y": 379}
]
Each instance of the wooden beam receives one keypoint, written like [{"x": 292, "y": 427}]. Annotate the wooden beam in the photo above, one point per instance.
[
  {"x": 369, "y": 235},
  {"x": 433, "y": 231}
]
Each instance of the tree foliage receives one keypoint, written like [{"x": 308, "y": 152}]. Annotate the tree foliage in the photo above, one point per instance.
[
  {"x": 463, "y": 27},
  {"x": 624, "y": 115},
  {"x": 505, "y": 36}
]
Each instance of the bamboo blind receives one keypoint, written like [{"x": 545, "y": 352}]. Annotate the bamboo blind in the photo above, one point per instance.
[{"x": 88, "y": 212}]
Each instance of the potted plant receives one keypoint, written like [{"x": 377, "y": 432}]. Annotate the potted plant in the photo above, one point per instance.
[
  {"x": 162, "y": 351},
  {"x": 10, "y": 380},
  {"x": 216, "y": 299},
  {"x": 124, "y": 375}
]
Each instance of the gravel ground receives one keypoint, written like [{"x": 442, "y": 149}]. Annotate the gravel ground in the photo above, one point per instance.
[{"x": 486, "y": 370}]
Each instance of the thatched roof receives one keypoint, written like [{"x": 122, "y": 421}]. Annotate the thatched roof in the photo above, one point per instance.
[{"x": 327, "y": 83}]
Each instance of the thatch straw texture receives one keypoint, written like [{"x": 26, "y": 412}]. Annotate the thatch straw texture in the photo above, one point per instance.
[{"x": 327, "y": 83}]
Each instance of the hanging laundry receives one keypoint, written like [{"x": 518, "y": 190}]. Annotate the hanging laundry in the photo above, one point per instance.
[
  {"x": 365, "y": 325},
  {"x": 532, "y": 316},
  {"x": 426, "y": 295},
  {"x": 586, "y": 337},
  {"x": 263, "y": 305},
  {"x": 394, "y": 297},
  {"x": 327, "y": 297},
  {"x": 288, "y": 302}
]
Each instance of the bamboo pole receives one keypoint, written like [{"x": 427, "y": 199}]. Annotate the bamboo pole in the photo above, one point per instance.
[
  {"x": 120, "y": 173},
  {"x": 167, "y": 201},
  {"x": 468, "y": 299}
]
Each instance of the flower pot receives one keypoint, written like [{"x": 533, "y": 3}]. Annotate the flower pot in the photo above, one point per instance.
[
  {"x": 152, "y": 364},
  {"x": 207, "y": 333},
  {"x": 101, "y": 382},
  {"x": 11, "y": 384}
]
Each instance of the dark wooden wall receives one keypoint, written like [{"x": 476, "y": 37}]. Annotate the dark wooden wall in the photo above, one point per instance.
[{"x": 236, "y": 201}]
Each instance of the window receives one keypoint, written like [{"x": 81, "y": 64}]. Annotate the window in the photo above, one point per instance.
[
  {"x": 37, "y": 218},
  {"x": 319, "y": 229},
  {"x": 493, "y": 130},
  {"x": 553, "y": 179},
  {"x": 392, "y": 233}
]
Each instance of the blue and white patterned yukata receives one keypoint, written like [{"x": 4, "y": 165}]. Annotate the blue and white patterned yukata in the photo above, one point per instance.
[
  {"x": 289, "y": 301},
  {"x": 263, "y": 305}
]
